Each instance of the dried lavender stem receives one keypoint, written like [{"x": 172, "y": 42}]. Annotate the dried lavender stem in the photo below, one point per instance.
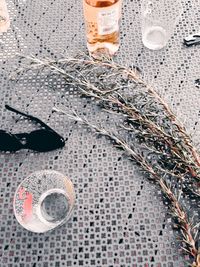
[
  {"x": 172, "y": 116},
  {"x": 177, "y": 123},
  {"x": 130, "y": 73},
  {"x": 135, "y": 77},
  {"x": 179, "y": 213},
  {"x": 153, "y": 128}
]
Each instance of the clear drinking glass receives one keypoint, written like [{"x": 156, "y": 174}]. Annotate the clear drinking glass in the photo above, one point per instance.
[
  {"x": 159, "y": 18},
  {"x": 44, "y": 200}
]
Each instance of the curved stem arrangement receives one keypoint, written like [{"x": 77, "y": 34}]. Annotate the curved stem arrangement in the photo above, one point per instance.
[{"x": 154, "y": 126}]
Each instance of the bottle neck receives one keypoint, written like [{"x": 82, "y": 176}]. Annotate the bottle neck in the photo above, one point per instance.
[{"x": 101, "y": 3}]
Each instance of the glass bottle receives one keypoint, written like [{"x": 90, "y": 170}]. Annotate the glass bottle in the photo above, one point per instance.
[
  {"x": 4, "y": 17},
  {"x": 102, "y": 18}
]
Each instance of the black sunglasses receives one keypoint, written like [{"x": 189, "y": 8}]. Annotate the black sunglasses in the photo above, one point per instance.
[{"x": 42, "y": 140}]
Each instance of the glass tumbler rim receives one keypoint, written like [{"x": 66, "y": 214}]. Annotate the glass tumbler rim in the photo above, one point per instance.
[{"x": 70, "y": 197}]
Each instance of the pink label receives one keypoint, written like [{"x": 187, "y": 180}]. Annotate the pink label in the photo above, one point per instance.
[{"x": 106, "y": 19}]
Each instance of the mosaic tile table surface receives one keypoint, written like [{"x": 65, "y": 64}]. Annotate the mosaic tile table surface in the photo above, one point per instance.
[{"x": 120, "y": 219}]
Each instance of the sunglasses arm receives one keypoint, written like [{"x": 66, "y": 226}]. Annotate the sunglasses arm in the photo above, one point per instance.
[{"x": 29, "y": 117}]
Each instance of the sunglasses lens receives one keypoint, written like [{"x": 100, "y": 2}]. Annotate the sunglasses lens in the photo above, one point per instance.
[
  {"x": 44, "y": 140},
  {"x": 8, "y": 142}
]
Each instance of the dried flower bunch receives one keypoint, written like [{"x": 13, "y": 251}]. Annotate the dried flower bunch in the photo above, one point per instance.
[{"x": 147, "y": 131}]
